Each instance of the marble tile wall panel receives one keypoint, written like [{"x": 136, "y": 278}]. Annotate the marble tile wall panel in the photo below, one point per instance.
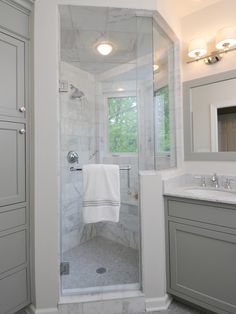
[
  {"x": 78, "y": 129},
  {"x": 116, "y": 306}
]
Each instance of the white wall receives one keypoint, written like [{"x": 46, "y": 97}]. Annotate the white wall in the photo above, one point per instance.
[
  {"x": 205, "y": 23},
  {"x": 168, "y": 10},
  {"x": 46, "y": 47}
]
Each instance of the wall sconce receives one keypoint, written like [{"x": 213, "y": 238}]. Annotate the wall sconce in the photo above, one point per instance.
[{"x": 225, "y": 40}]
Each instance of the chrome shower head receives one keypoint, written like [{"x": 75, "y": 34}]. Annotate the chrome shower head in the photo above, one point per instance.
[{"x": 77, "y": 94}]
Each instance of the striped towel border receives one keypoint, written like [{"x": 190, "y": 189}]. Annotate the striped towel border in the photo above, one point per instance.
[{"x": 100, "y": 203}]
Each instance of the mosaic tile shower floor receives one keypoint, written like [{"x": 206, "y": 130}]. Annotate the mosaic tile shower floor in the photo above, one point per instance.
[{"x": 121, "y": 265}]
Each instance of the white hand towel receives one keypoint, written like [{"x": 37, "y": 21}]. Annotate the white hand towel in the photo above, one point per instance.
[{"x": 101, "y": 185}]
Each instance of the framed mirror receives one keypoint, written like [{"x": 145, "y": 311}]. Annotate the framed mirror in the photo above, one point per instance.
[{"x": 210, "y": 117}]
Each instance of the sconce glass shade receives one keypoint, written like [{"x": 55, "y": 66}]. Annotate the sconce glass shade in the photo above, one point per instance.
[
  {"x": 197, "y": 48},
  {"x": 225, "y": 38}
]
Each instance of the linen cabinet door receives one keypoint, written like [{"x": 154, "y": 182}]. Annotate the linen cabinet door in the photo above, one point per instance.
[
  {"x": 203, "y": 265},
  {"x": 12, "y": 163},
  {"x": 12, "y": 77}
]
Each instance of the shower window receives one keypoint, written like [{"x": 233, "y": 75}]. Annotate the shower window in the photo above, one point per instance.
[{"x": 122, "y": 125}]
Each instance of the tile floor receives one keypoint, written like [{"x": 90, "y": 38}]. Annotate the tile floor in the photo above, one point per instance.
[
  {"x": 120, "y": 262},
  {"x": 179, "y": 308}
]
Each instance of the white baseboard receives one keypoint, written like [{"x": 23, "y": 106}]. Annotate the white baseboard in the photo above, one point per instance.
[
  {"x": 32, "y": 310},
  {"x": 158, "y": 304}
]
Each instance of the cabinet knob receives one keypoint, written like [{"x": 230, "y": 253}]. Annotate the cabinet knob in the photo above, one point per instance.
[
  {"x": 22, "y": 109},
  {"x": 22, "y": 131}
]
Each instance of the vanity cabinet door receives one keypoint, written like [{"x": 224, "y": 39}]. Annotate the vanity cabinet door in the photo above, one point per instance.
[
  {"x": 203, "y": 265},
  {"x": 12, "y": 78},
  {"x": 12, "y": 163}
]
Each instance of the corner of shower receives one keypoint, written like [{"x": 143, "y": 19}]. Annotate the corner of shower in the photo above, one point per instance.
[{"x": 104, "y": 119}]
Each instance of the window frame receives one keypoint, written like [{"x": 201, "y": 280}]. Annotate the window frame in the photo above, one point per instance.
[{"x": 123, "y": 94}]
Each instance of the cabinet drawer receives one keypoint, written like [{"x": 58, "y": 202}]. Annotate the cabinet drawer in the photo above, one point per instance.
[
  {"x": 13, "y": 292},
  {"x": 12, "y": 218},
  {"x": 221, "y": 216},
  {"x": 13, "y": 250}
]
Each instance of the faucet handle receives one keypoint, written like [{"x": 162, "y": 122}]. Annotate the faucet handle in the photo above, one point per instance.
[
  {"x": 227, "y": 184},
  {"x": 203, "y": 180}
]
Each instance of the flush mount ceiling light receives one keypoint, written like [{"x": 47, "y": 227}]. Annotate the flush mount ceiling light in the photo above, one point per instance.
[
  {"x": 104, "y": 48},
  {"x": 225, "y": 40},
  {"x": 120, "y": 89}
]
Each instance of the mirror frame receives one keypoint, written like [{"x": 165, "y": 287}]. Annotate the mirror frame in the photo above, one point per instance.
[{"x": 188, "y": 127}]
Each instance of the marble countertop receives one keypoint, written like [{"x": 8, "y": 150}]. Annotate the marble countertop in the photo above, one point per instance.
[
  {"x": 205, "y": 195},
  {"x": 183, "y": 186}
]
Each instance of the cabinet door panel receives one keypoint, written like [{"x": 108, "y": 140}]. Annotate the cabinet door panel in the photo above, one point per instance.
[
  {"x": 13, "y": 292},
  {"x": 12, "y": 163},
  {"x": 12, "y": 79},
  {"x": 203, "y": 265},
  {"x": 13, "y": 250}
]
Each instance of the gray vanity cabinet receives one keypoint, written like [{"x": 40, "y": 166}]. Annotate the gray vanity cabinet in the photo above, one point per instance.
[{"x": 201, "y": 253}]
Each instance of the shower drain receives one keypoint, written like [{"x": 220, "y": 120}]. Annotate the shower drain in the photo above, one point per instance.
[{"x": 101, "y": 270}]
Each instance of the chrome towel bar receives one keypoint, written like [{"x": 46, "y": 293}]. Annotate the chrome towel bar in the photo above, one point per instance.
[{"x": 127, "y": 168}]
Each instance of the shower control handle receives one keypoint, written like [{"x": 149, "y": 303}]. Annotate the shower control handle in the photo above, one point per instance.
[
  {"x": 72, "y": 157},
  {"x": 22, "y": 109},
  {"x": 22, "y": 131}
]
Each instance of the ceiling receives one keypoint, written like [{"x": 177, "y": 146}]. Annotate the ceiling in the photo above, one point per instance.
[{"x": 82, "y": 27}]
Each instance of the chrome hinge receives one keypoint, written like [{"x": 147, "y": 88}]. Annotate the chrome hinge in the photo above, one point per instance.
[{"x": 64, "y": 268}]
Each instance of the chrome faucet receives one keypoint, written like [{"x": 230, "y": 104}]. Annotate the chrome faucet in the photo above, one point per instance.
[{"x": 215, "y": 181}]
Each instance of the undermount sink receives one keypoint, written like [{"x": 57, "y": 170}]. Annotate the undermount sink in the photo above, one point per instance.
[{"x": 211, "y": 192}]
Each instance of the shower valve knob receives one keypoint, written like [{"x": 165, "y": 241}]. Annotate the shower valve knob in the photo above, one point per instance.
[
  {"x": 22, "y": 109},
  {"x": 22, "y": 131}
]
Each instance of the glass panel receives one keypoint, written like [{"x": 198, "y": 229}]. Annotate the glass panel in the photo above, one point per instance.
[
  {"x": 163, "y": 59},
  {"x": 99, "y": 109}
]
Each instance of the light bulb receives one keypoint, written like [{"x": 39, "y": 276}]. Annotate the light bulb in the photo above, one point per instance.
[
  {"x": 225, "y": 38},
  {"x": 104, "y": 48},
  {"x": 197, "y": 48},
  {"x": 155, "y": 67}
]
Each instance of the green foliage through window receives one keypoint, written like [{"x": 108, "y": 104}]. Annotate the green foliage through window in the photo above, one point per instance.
[
  {"x": 122, "y": 124},
  {"x": 162, "y": 121}
]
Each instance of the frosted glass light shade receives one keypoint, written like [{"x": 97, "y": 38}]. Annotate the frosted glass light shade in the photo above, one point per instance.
[
  {"x": 197, "y": 48},
  {"x": 225, "y": 38},
  {"x": 104, "y": 48}
]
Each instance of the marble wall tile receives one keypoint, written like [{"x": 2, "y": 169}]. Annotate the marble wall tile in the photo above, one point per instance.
[
  {"x": 78, "y": 129},
  {"x": 132, "y": 305},
  {"x": 76, "y": 308}
]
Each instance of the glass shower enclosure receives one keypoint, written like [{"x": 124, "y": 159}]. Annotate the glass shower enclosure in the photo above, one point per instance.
[{"x": 107, "y": 116}]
